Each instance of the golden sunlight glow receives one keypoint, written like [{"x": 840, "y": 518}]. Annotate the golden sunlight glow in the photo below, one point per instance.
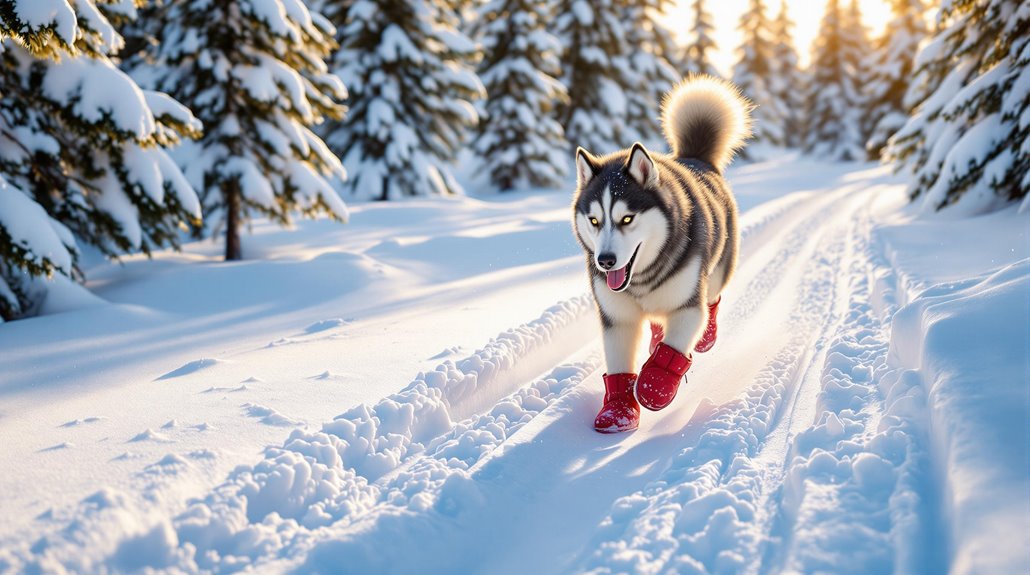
[{"x": 806, "y": 15}]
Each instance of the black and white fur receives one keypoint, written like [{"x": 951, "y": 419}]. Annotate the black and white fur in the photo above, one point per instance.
[{"x": 670, "y": 217}]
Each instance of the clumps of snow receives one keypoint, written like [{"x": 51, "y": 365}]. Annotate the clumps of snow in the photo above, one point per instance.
[
  {"x": 77, "y": 422},
  {"x": 205, "y": 426},
  {"x": 449, "y": 352},
  {"x": 438, "y": 485},
  {"x": 64, "y": 549},
  {"x": 237, "y": 389},
  {"x": 458, "y": 493},
  {"x": 268, "y": 416},
  {"x": 150, "y": 435},
  {"x": 325, "y": 324},
  {"x": 191, "y": 367},
  {"x": 252, "y": 379},
  {"x": 374, "y": 439},
  {"x": 327, "y": 375},
  {"x": 152, "y": 549},
  {"x": 470, "y": 440},
  {"x": 170, "y": 459},
  {"x": 318, "y": 478},
  {"x": 171, "y": 424}
]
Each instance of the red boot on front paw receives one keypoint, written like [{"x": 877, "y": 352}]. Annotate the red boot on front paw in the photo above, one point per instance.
[
  {"x": 620, "y": 411},
  {"x": 708, "y": 339},
  {"x": 660, "y": 377}
]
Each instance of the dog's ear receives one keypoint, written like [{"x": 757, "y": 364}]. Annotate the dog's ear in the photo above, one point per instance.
[
  {"x": 586, "y": 167},
  {"x": 642, "y": 167}
]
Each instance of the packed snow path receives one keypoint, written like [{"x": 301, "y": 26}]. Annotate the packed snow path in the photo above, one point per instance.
[{"x": 794, "y": 444}]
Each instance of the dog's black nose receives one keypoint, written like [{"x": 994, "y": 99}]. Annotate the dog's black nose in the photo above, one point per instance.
[{"x": 606, "y": 260}]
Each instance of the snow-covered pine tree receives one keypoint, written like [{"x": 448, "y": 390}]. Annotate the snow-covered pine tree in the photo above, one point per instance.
[
  {"x": 465, "y": 11},
  {"x": 833, "y": 119},
  {"x": 82, "y": 148},
  {"x": 412, "y": 87},
  {"x": 858, "y": 52},
  {"x": 968, "y": 140},
  {"x": 520, "y": 142},
  {"x": 892, "y": 71},
  {"x": 254, "y": 72},
  {"x": 701, "y": 43},
  {"x": 655, "y": 75},
  {"x": 140, "y": 32},
  {"x": 787, "y": 82},
  {"x": 753, "y": 71},
  {"x": 597, "y": 74}
]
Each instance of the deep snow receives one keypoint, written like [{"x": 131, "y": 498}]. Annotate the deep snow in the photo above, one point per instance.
[{"x": 337, "y": 400}]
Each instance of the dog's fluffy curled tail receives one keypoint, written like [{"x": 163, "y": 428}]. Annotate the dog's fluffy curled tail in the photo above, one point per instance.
[{"x": 706, "y": 118}]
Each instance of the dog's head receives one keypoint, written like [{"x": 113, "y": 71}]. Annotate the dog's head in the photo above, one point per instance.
[{"x": 618, "y": 215}]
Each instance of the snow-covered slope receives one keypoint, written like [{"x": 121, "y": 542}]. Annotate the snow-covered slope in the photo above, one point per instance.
[{"x": 865, "y": 409}]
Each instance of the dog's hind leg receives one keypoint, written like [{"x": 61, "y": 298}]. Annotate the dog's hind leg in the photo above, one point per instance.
[
  {"x": 683, "y": 328},
  {"x": 662, "y": 373},
  {"x": 708, "y": 339},
  {"x": 657, "y": 335}
]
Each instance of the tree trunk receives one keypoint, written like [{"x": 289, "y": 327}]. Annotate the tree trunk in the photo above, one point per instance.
[{"x": 233, "y": 251}]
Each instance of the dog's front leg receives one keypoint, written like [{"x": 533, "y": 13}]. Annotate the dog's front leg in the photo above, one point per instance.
[
  {"x": 621, "y": 323},
  {"x": 620, "y": 345},
  {"x": 620, "y": 411}
]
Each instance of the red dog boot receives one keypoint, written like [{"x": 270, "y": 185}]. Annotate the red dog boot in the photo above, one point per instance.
[
  {"x": 708, "y": 339},
  {"x": 657, "y": 335},
  {"x": 660, "y": 377},
  {"x": 620, "y": 411}
]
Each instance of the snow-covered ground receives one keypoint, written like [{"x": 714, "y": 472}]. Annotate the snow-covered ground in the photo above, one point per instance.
[{"x": 413, "y": 393}]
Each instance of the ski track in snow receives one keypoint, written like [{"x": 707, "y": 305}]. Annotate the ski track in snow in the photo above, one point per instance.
[{"x": 819, "y": 441}]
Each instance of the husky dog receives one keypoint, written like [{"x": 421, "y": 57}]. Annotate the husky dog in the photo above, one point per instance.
[{"x": 660, "y": 235}]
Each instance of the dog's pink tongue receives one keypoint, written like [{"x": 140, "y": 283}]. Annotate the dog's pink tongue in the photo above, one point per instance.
[{"x": 616, "y": 278}]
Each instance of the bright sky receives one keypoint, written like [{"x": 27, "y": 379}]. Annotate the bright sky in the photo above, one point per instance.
[{"x": 806, "y": 14}]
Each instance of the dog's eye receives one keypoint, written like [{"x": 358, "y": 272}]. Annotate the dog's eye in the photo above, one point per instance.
[
  {"x": 595, "y": 223},
  {"x": 627, "y": 220}
]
